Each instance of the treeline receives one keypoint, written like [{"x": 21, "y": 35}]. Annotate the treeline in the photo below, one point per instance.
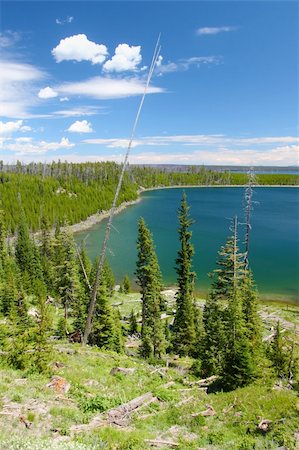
[{"x": 72, "y": 192}]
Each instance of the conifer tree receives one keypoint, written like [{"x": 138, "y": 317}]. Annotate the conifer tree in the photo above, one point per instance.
[
  {"x": 183, "y": 327},
  {"x": 133, "y": 326},
  {"x": 67, "y": 268},
  {"x": 19, "y": 337},
  {"x": 278, "y": 354},
  {"x": 213, "y": 338},
  {"x": 230, "y": 268},
  {"x": 47, "y": 253},
  {"x": 42, "y": 350},
  {"x": 28, "y": 257},
  {"x": 149, "y": 279},
  {"x": 106, "y": 329},
  {"x": 238, "y": 368},
  {"x": 126, "y": 285}
]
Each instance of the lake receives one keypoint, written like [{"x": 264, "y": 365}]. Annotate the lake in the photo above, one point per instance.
[{"x": 274, "y": 245}]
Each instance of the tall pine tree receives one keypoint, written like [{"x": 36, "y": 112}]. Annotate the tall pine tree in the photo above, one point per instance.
[
  {"x": 184, "y": 335},
  {"x": 150, "y": 281}
]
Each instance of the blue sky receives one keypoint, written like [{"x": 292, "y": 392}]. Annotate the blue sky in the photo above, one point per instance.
[{"x": 225, "y": 89}]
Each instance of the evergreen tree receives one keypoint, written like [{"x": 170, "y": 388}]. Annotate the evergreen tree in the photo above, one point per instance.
[
  {"x": 238, "y": 362},
  {"x": 28, "y": 257},
  {"x": 133, "y": 326},
  {"x": 106, "y": 328},
  {"x": 67, "y": 274},
  {"x": 42, "y": 350},
  {"x": 126, "y": 285},
  {"x": 85, "y": 276},
  {"x": 214, "y": 336},
  {"x": 19, "y": 336},
  {"x": 278, "y": 353},
  {"x": 229, "y": 271},
  {"x": 183, "y": 327},
  {"x": 47, "y": 255},
  {"x": 149, "y": 279}
]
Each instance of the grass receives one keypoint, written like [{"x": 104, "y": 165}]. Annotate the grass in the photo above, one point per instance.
[{"x": 173, "y": 417}]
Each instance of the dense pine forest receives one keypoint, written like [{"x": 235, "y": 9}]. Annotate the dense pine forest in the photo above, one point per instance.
[
  {"x": 219, "y": 346},
  {"x": 67, "y": 192}
]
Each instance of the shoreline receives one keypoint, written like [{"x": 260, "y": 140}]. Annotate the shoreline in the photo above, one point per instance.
[{"x": 96, "y": 218}]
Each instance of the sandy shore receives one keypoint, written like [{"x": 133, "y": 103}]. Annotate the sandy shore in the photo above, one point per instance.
[{"x": 91, "y": 221}]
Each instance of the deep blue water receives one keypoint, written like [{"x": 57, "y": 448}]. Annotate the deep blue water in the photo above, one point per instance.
[{"x": 274, "y": 245}]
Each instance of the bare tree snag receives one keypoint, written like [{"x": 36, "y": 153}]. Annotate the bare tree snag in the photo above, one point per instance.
[{"x": 93, "y": 298}]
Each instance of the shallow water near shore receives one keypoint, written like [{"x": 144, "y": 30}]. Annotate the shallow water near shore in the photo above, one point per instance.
[{"x": 274, "y": 246}]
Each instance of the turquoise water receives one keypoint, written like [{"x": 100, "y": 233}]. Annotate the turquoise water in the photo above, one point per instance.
[{"x": 274, "y": 249}]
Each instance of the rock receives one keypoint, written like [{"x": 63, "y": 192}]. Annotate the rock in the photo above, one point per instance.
[
  {"x": 264, "y": 425},
  {"x": 124, "y": 370},
  {"x": 59, "y": 384},
  {"x": 210, "y": 411}
]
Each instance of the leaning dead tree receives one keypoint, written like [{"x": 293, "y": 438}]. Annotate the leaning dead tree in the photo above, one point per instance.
[{"x": 94, "y": 290}]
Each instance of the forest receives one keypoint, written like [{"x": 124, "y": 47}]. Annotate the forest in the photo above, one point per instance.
[
  {"x": 46, "y": 285},
  {"x": 67, "y": 192}
]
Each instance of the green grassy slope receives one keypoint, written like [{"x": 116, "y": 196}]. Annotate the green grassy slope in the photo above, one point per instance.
[{"x": 34, "y": 416}]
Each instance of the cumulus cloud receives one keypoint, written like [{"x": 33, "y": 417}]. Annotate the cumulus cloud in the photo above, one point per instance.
[
  {"x": 80, "y": 127},
  {"x": 106, "y": 88},
  {"x": 64, "y": 99},
  {"x": 18, "y": 88},
  {"x": 47, "y": 92},
  {"x": 125, "y": 58},
  {"x": 7, "y": 128},
  {"x": 213, "y": 30},
  {"x": 79, "y": 48},
  {"x": 25, "y": 146}
]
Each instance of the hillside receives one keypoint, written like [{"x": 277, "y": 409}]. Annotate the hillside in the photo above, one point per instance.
[{"x": 179, "y": 411}]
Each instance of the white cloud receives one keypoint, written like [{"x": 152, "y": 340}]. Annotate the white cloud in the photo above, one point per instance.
[
  {"x": 277, "y": 156},
  {"x": 47, "y": 92},
  {"x": 80, "y": 127},
  {"x": 8, "y": 38},
  {"x": 125, "y": 58},
  {"x": 79, "y": 48},
  {"x": 185, "y": 64},
  {"x": 77, "y": 112},
  {"x": 18, "y": 88},
  {"x": 25, "y": 146},
  {"x": 196, "y": 140},
  {"x": 69, "y": 19},
  {"x": 214, "y": 30},
  {"x": 64, "y": 99},
  {"x": 106, "y": 88},
  {"x": 7, "y": 128}
]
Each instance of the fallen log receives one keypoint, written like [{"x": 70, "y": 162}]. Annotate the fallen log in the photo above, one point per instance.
[
  {"x": 118, "y": 416},
  {"x": 204, "y": 382},
  {"x": 161, "y": 442}
]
